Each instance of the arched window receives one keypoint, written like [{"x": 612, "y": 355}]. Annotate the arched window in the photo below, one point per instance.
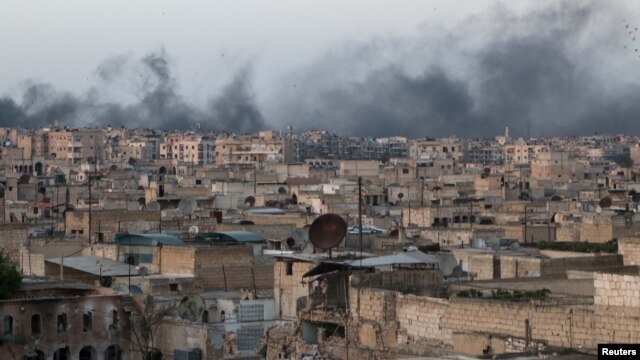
[
  {"x": 113, "y": 352},
  {"x": 87, "y": 353}
]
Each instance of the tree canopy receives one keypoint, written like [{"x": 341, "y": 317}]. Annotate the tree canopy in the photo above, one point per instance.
[{"x": 10, "y": 278}]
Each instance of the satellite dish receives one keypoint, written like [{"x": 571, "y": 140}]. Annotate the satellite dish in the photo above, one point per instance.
[
  {"x": 635, "y": 197},
  {"x": 187, "y": 206},
  {"x": 194, "y": 230},
  {"x": 250, "y": 201},
  {"x": 143, "y": 271},
  {"x": 400, "y": 195},
  {"x": 282, "y": 190},
  {"x": 556, "y": 198},
  {"x": 191, "y": 307},
  {"x": 106, "y": 281},
  {"x": 290, "y": 242},
  {"x": 514, "y": 246},
  {"x": 154, "y": 206},
  {"x": 327, "y": 231},
  {"x": 394, "y": 233},
  {"x": 457, "y": 271},
  {"x": 605, "y": 202},
  {"x": 598, "y": 209},
  {"x": 139, "y": 227}
]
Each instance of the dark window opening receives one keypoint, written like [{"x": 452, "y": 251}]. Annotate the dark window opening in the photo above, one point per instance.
[
  {"x": 8, "y": 325},
  {"x": 36, "y": 325},
  {"x": 62, "y": 323},
  {"x": 173, "y": 287},
  {"x": 114, "y": 318},
  {"x": 289, "y": 268},
  {"x": 87, "y": 321},
  {"x": 205, "y": 317}
]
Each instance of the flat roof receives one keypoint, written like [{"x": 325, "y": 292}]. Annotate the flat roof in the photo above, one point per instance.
[{"x": 96, "y": 265}]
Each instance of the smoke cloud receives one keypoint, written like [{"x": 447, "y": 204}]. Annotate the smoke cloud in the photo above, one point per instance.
[
  {"x": 157, "y": 104},
  {"x": 549, "y": 72}
]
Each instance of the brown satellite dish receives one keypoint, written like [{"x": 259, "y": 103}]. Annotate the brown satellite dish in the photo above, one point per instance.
[
  {"x": 605, "y": 202},
  {"x": 556, "y": 198},
  {"x": 394, "y": 233},
  {"x": 635, "y": 197},
  {"x": 633, "y": 192},
  {"x": 250, "y": 200},
  {"x": 400, "y": 195},
  {"x": 290, "y": 242},
  {"x": 327, "y": 231}
]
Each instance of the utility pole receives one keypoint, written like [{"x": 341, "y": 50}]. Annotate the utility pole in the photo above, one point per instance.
[
  {"x": 90, "y": 203},
  {"x": 360, "y": 215}
]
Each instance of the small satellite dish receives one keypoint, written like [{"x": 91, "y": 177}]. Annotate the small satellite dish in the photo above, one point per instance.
[
  {"x": 457, "y": 271},
  {"x": 139, "y": 227},
  {"x": 143, "y": 271},
  {"x": 605, "y": 202},
  {"x": 106, "y": 281},
  {"x": 290, "y": 242},
  {"x": 194, "y": 230},
  {"x": 394, "y": 233},
  {"x": 327, "y": 231},
  {"x": 249, "y": 201},
  {"x": 191, "y": 307},
  {"x": 400, "y": 195},
  {"x": 598, "y": 209},
  {"x": 282, "y": 190},
  {"x": 514, "y": 246},
  {"x": 187, "y": 206},
  {"x": 153, "y": 206}
]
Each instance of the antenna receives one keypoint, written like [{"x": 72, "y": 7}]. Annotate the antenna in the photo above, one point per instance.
[{"x": 327, "y": 231}]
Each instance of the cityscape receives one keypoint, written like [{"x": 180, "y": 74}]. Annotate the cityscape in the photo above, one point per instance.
[{"x": 436, "y": 180}]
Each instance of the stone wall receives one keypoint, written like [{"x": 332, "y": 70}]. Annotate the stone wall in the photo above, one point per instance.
[
  {"x": 289, "y": 290},
  {"x": 218, "y": 267},
  {"x": 11, "y": 237},
  {"x": 398, "y": 279},
  {"x": 629, "y": 248},
  {"x": 519, "y": 267},
  {"x": 419, "y": 319},
  {"x": 569, "y": 326},
  {"x": 372, "y": 304}
]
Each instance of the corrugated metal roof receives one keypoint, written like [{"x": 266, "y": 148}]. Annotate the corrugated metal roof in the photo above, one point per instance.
[
  {"x": 411, "y": 257},
  {"x": 96, "y": 265},
  {"x": 231, "y": 236}
]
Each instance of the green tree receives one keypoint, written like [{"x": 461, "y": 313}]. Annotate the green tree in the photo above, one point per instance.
[{"x": 10, "y": 278}]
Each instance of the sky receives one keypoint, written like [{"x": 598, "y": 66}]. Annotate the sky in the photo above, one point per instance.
[{"x": 367, "y": 67}]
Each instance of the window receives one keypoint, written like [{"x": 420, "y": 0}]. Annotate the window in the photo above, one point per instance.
[
  {"x": 8, "y": 325},
  {"x": 87, "y": 321},
  {"x": 289, "y": 268},
  {"x": 173, "y": 287},
  {"x": 36, "y": 325},
  {"x": 62, "y": 323},
  {"x": 114, "y": 318}
]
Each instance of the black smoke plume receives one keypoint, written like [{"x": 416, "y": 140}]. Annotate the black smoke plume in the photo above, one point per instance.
[
  {"x": 557, "y": 70},
  {"x": 157, "y": 104}
]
